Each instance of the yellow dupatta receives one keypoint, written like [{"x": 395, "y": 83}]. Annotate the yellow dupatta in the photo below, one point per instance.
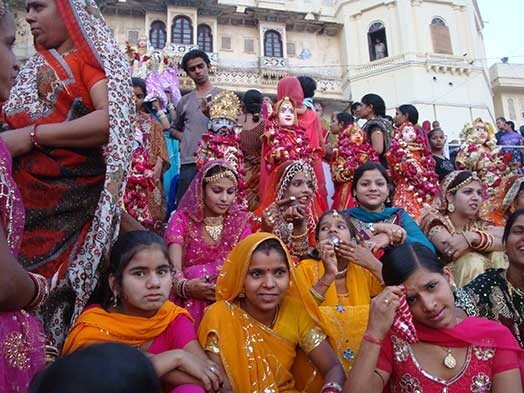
[
  {"x": 343, "y": 320},
  {"x": 96, "y": 325},
  {"x": 255, "y": 357}
]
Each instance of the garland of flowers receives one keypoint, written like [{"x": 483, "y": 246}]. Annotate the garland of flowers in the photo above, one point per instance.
[
  {"x": 286, "y": 143},
  {"x": 420, "y": 176},
  {"x": 348, "y": 156},
  {"x": 140, "y": 181}
]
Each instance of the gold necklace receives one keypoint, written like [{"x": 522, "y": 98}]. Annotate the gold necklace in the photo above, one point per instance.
[
  {"x": 214, "y": 227},
  {"x": 449, "y": 360}
]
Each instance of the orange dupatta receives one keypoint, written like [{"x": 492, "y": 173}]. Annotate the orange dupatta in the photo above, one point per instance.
[
  {"x": 254, "y": 357},
  {"x": 96, "y": 325}
]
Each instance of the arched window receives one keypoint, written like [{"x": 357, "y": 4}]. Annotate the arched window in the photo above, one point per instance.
[
  {"x": 157, "y": 34},
  {"x": 440, "y": 36},
  {"x": 182, "y": 30},
  {"x": 273, "y": 44},
  {"x": 377, "y": 42},
  {"x": 205, "y": 38}
]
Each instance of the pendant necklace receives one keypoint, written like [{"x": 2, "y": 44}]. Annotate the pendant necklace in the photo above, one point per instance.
[
  {"x": 449, "y": 360},
  {"x": 214, "y": 227}
]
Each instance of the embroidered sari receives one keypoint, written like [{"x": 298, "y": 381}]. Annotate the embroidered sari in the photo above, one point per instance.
[
  {"x": 255, "y": 357},
  {"x": 473, "y": 263},
  {"x": 343, "y": 317},
  {"x": 72, "y": 196},
  {"x": 201, "y": 256},
  {"x": 21, "y": 335},
  {"x": 491, "y": 349}
]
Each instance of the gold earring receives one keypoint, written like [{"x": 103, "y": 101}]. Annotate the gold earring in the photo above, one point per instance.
[
  {"x": 114, "y": 300},
  {"x": 451, "y": 207},
  {"x": 242, "y": 294}
]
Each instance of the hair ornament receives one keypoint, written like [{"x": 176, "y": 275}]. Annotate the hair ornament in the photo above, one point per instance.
[{"x": 227, "y": 174}]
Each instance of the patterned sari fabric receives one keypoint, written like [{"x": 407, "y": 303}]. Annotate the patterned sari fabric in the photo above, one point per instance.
[
  {"x": 343, "y": 317},
  {"x": 471, "y": 264},
  {"x": 492, "y": 296},
  {"x": 256, "y": 358},
  {"x": 202, "y": 256},
  {"x": 72, "y": 196},
  {"x": 491, "y": 349},
  {"x": 21, "y": 335}
]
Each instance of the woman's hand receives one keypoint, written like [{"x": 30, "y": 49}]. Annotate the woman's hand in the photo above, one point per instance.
[
  {"x": 18, "y": 141},
  {"x": 396, "y": 234},
  {"x": 329, "y": 258},
  {"x": 382, "y": 311},
  {"x": 204, "y": 370},
  {"x": 455, "y": 246},
  {"x": 378, "y": 242},
  {"x": 358, "y": 254},
  {"x": 200, "y": 288}
]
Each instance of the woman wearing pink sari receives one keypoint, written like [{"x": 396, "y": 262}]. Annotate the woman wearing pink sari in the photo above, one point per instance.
[
  {"x": 21, "y": 335},
  {"x": 207, "y": 224}
]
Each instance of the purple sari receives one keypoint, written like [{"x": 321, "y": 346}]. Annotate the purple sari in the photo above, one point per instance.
[
  {"x": 200, "y": 256},
  {"x": 21, "y": 335}
]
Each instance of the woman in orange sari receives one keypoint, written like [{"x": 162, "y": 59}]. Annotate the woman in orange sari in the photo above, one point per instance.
[
  {"x": 254, "y": 329},
  {"x": 135, "y": 310},
  {"x": 70, "y": 114}
]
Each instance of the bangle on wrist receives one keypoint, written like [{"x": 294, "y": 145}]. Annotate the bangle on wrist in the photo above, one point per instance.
[
  {"x": 370, "y": 339},
  {"x": 331, "y": 387},
  {"x": 34, "y": 136}
]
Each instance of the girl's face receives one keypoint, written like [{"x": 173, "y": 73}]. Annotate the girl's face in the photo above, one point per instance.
[
  {"x": 399, "y": 118},
  {"x": 46, "y": 23},
  {"x": 218, "y": 197},
  {"x": 372, "y": 190},
  {"x": 266, "y": 284},
  {"x": 515, "y": 243},
  {"x": 334, "y": 225},
  {"x": 139, "y": 97},
  {"x": 8, "y": 63},
  {"x": 430, "y": 298},
  {"x": 409, "y": 134},
  {"x": 467, "y": 199},
  {"x": 286, "y": 114},
  {"x": 146, "y": 283},
  {"x": 302, "y": 188},
  {"x": 365, "y": 111},
  {"x": 437, "y": 140}
]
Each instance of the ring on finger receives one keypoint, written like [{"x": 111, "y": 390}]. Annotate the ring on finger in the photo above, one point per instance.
[
  {"x": 213, "y": 369},
  {"x": 386, "y": 300}
]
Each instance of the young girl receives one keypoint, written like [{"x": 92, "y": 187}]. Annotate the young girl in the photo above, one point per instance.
[
  {"x": 418, "y": 341},
  {"x": 443, "y": 165},
  {"x": 253, "y": 331},
  {"x": 337, "y": 284},
  {"x": 135, "y": 310}
]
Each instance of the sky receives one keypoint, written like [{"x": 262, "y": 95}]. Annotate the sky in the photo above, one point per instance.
[{"x": 503, "y": 29}]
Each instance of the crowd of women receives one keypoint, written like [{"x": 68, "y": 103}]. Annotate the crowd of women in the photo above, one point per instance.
[{"x": 408, "y": 277}]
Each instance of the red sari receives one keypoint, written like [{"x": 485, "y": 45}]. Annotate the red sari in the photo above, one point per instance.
[
  {"x": 72, "y": 196},
  {"x": 492, "y": 349}
]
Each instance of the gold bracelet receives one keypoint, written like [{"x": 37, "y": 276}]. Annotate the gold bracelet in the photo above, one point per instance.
[
  {"x": 467, "y": 240},
  {"x": 319, "y": 299}
]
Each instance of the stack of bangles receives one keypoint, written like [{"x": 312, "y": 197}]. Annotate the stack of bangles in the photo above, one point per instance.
[
  {"x": 181, "y": 288},
  {"x": 486, "y": 240},
  {"x": 331, "y": 387},
  {"x": 41, "y": 291},
  {"x": 317, "y": 296}
]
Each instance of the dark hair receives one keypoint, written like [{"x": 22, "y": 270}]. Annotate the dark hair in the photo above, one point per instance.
[
  {"x": 194, "y": 54},
  {"x": 272, "y": 244},
  {"x": 410, "y": 111},
  {"x": 510, "y": 221},
  {"x": 376, "y": 101},
  {"x": 370, "y": 166},
  {"x": 101, "y": 368},
  {"x": 354, "y": 106},
  {"x": 308, "y": 86},
  {"x": 459, "y": 179},
  {"x": 501, "y": 118},
  {"x": 352, "y": 230},
  {"x": 430, "y": 134},
  {"x": 123, "y": 251},
  {"x": 252, "y": 101},
  {"x": 345, "y": 118},
  {"x": 400, "y": 262},
  {"x": 139, "y": 82},
  {"x": 511, "y": 124}
]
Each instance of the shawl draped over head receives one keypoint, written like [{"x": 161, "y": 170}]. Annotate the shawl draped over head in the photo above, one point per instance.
[
  {"x": 254, "y": 356},
  {"x": 30, "y": 103},
  {"x": 96, "y": 325},
  {"x": 290, "y": 87}
]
